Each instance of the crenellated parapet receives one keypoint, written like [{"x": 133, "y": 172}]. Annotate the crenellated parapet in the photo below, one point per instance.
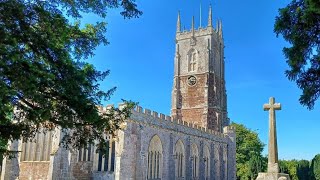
[
  {"x": 197, "y": 32},
  {"x": 165, "y": 119},
  {"x": 229, "y": 129},
  {"x": 149, "y": 117}
]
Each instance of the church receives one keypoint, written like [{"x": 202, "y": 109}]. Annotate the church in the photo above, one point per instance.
[{"x": 194, "y": 143}]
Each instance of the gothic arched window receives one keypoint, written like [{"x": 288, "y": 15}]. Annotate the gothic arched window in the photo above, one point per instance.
[
  {"x": 37, "y": 149},
  {"x": 192, "y": 60},
  {"x": 223, "y": 161},
  {"x": 195, "y": 161},
  {"x": 206, "y": 158},
  {"x": 84, "y": 153},
  {"x": 180, "y": 160},
  {"x": 105, "y": 161},
  {"x": 155, "y": 158}
]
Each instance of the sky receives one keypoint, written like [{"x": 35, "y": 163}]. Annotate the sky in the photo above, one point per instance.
[{"x": 141, "y": 55}]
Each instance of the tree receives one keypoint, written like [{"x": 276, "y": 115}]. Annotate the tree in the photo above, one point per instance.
[
  {"x": 289, "y": 167},
  {"x": 299, "y": 24},
  {"x": 45, "y": 81},
  {"x": 303, "y": 170},
  {"x": 297, "y": 170},
  {"x": 283, "y": 167},
  {"x": 248, "y": 153},
  {"x": 257, "y": 164},
  {"x": 315, "y": 167}
]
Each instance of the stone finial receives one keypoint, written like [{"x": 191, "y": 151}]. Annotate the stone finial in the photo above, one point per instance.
[
  {"x": 178, "y": 23},
  {"x": 210, "y": 17},
  {"x": 192, "y": 26},
  {"x": 220, "y": 28},
  {"x": 217, "y": 26},
  {"x": 200, "y": 14}
]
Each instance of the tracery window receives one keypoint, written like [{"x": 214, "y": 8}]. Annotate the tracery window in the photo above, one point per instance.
[
  {"x": 84, "y": 154},
  {"x": 223, "y": 161},
  {"x": 179, "y": 160},
  {"x": 206, "y": 158},
  {"x": 106, "y": 160},
  {"x": 38, "y": 149},
  {"x": 155, "y": 158},
  {"x": 195, "y": 161},
  {"x": 193, "y": 60}
]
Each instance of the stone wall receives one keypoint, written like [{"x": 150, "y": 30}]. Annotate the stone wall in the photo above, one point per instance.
[
  {"x": 131, "y": 154},
  {"x": 81, "y": 170},
  {"x": 66, "y": 165},
  {"x": 144, "y": 124},
  {"x": 34, "y": 170}
]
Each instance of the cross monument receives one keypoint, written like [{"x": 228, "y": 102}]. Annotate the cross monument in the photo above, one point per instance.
[
  {"x": 273, "y": 167},
  {"x": 273, "y": 146}
]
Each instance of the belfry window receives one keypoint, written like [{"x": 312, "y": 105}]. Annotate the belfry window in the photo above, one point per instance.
[
  {"x": 179, "y": 160},
  {"x": 155, "y": 159},
  {"x": 192, "y": 60}
]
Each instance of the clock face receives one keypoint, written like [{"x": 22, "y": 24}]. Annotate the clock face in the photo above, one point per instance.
[{"x": 192, "y": 80}]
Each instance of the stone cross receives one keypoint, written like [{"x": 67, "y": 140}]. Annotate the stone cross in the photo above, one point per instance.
[{"x": 273, "y": 166}]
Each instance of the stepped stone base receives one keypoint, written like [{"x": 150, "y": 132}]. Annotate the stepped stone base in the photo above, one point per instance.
[{"x": 273, "y": 176}]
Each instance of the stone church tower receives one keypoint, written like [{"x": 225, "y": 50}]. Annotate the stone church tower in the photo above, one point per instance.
[{"x": 199, "y": 91}]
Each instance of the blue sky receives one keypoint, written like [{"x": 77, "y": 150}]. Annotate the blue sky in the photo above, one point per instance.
[{"x": 141, "y": 53}]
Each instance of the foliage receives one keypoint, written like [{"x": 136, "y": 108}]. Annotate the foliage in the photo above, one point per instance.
[
  {"x": 1, "y": 159},
  {"x": 44, "y": 79},
  {"x": 248, "y": 153},
  {"x": 299, "y": 24},
  {"x": 257, "y": 164},
  {"x": 315, "y": 167},
  {"x": 303, "y": 170},
  {"x": 289, "y": 167},
  {"x": 297, "y": 170},
  {"x": 243, "y": 171},
  {"x": 283, "y": 167}
]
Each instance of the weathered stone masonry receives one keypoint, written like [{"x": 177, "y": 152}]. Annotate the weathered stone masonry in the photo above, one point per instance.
[
  {"x": 145, "y": 124},
  {"x": 131, "y": 152},
  {"x": 199, "y": 91}
]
